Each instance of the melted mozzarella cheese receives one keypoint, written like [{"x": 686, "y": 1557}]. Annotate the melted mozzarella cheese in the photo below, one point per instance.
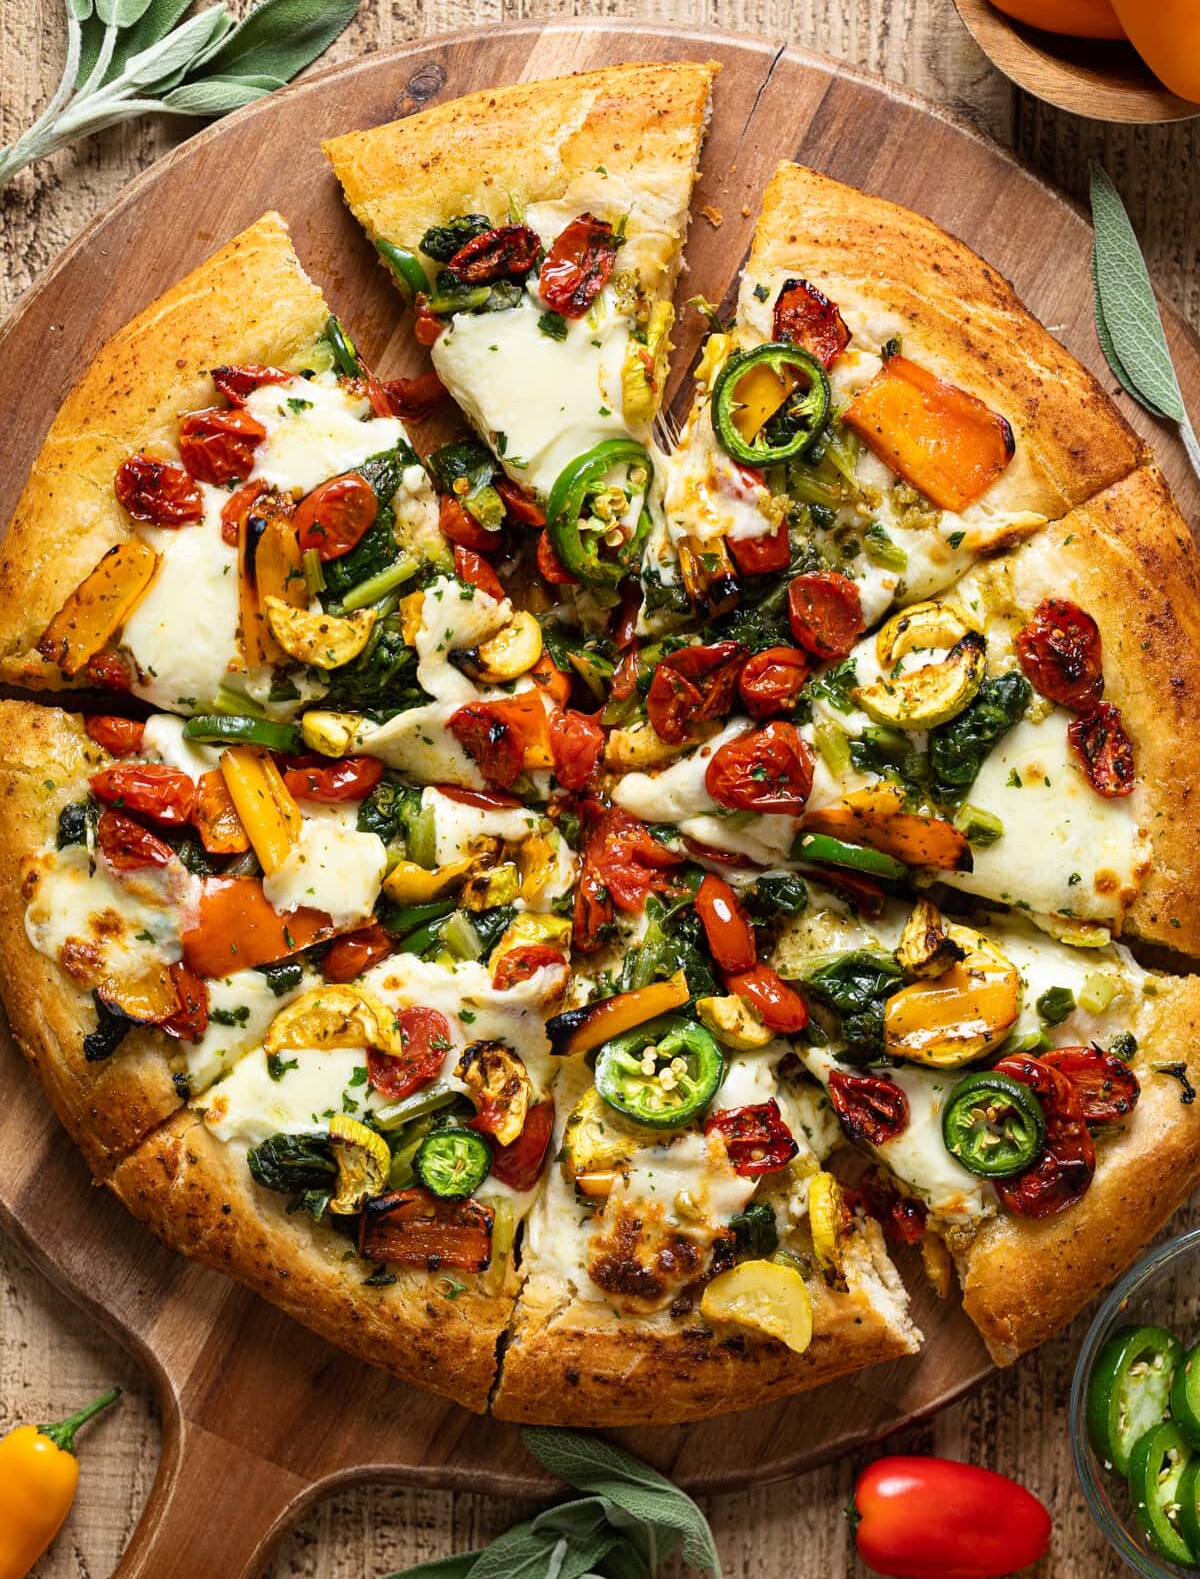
[
  {"x": 689, "y": 1178},
  {"x": 122, "y": 922},
  {"x": 240, "y": 1010},
  {"x": 706, "y": 495},
  {"x": 418, "y": 743},
  {"x": 330, "y": 867},
  {"x": 458, "y": 826},
  {"x": 316, "y": 429},
  {"x": 163, "y": 741},
  {"x": 250, "y": 1104},
  {"x": 454, "y": 617},
  {"x": 677, "y": 792}
]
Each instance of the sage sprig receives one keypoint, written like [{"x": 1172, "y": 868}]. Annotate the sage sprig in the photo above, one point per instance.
[
  {"x": 1128, "y": 324},
  {"x": 128, "y": 58},
  {"x": 630, "y": 1520}
]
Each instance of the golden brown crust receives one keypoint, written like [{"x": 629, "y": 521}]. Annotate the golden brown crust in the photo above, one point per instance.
[
  {"x": 959, "y": 317},
  {"x": 1023, "y": 1280},
  {"x": 249, "y": 302},
  {"x": 625, "y": 135},
  {"x": 109, "y": 1106},
  {"x": 197, "y": 1195}
]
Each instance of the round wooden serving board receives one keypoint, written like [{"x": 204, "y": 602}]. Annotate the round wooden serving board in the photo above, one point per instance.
[{"x": 259, "y": 1416}]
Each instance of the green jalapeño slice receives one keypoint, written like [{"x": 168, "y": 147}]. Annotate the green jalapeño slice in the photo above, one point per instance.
[
  {"x": 793, "y": 427},
  {"x": 994, "y": 1125},
  {"x": 664, "y": 1073},
  {"x": 452, "y": 1163},
  {"x": 587, "y": 508}
]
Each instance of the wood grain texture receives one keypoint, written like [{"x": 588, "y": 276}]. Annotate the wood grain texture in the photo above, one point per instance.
[{"x": 50, "y": 1355}]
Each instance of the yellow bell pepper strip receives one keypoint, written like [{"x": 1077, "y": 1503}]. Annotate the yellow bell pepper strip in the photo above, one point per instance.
[
  {"x": 99, "y": 606},
  {"x": 1166, "y": 34},
  {"x": 580, "y": 1030},
  {"x": 39, "y": 1474},
  {"x": 410, "y": 884},
  {"x": 264, "y": 803}
]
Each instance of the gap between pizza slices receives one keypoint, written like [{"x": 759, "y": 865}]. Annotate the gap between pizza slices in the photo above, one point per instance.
[{"x": 913, "y": 608}]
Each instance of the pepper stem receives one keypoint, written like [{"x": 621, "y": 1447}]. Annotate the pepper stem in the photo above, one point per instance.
[{"x": 62, "y": 1433}]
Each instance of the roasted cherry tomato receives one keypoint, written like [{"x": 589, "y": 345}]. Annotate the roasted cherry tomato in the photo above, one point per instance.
[
  {"x": 825, "y": 613},
  {"x": 781, "y": 1008},
  {"x": 235, "y": 383},
  {"x": 578, "y": 266},
  {"x": 1104, "y": 750},
  {"x": 766, "y": 770},
  {"x": 460, "y": 526},
  {"x": 870, "y": 1108},
  {"x": 757, "y": 1140},
  {"x": 692, "y": 686},
  {"x": 190, "y": 1020},
  {"x": 594, "y": 916},
  {"x": 410, "y": 399},
  {"x": 865, "y": 896},
  {"x": 126, "y": 845},
  {"x": 489, "y": 800},
  {"x": 577, "y": 745},
  {"x": 1063, "y": 1172},
  {"x": 120, "y": 737},
  {"x": 519, "y": 1164},
  {"x": 425, "y": 1037},
  {"x": 148, "y": 789},
  {"x": 631, "y": 860},
  {"x": 551, "y": 567},
  {"x": 805, "y": 316},
  {"x": 520, "y": 963},
  {"x": 1059, "y": 651},
  {"x": 319, "y": 778},
  {"x": 759, "y": 556},
  {"x": 427, "y": 326},
  {"x": 496, "y": 735},
  {"x": 772, "y": 681},
  {"x": 518, "y": 506},
  {"x": 335, "y": 516},
  {"x": 476, "y": 572},
  {"x": 108, "y": 671},
  {"x": 931, "y": 1518},
  {"x": 350, "y": 956},
  {"x": 505, "y": 253},
  {"x": 902, "y": 1217},
  {"x": 726, "y": 925},
  {"x": 1107, "y": 1088},
  {"x": 160, "y": 492},
  {"x": 218, "y": 446},
  {"x": 624, "y": 618},
  {"x": 236, "y": 510},
  {"x": 414, "y": 1228},
  {"x": 625, "y": 676}
]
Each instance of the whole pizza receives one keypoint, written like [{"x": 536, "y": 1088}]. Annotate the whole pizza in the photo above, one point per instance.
[{"x": 551, "y": 909}]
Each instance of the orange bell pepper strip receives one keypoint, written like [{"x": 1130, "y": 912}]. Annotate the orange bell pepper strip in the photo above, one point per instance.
[
  {"x": 1074, "y": 18},
  {"x": 942, "y": 440},
  {"x": 215, "y": 817},
  {"x": 272, "y": 568},
  {"x": 580, "y": 1030},
  {"x": 1166, "y": 34},
  {"x": 237, "y": 928},
  {"x": 99, "y": 606},
  {"x": 876, "y": 817},
  {"x": 552, "y": 680}
]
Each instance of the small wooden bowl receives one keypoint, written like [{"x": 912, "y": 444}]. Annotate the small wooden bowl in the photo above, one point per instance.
[{"x": 1105, "y": 80}]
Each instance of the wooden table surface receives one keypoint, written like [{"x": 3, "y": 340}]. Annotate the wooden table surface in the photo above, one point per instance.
[{"x": 51, "y": 1356}]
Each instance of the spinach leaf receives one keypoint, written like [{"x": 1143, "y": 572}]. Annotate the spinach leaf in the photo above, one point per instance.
[
  {"x": 387, "y": 808},
  {"x": 856, "y": 985},
  {"x": 285, "y": 976},
  {"x": 468, "y": 462},
  {"x": 491, "y": 925},
  {"x": 754, "y": 1230},
  {"x": 74, "y": 821},
  {"x": 441, "y": 242},
  {"x": 377, "y": 548},
  {"x": 382, "y": 680},
  {"x": 957, "y": 749},
  {"x": 660, "y": 594},
  {"x": 112, "y": 1027},
  {"x": 888, "y": 752},
  {"x": 299, "y": 1166},
  {"x": 835, "y": 686},
  {"x": 776, "y": 894},
  {"x": 673, "y": 940}
]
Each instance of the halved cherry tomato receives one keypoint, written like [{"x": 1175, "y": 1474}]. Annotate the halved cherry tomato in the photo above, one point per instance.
[
  {"x": 1062, "y": 1174},
  {"x": 805, "y": 316},
  {"x": 501, "y": 254},
  {"x": 120, "y": 737},
  {"x": 476, "y": 572},
  {"x": 236, "y": 510},
  {"x": 126, "y": 845},
  {"x": 578, "y": 266},
  {"x": 335, "y": 516},
  {"x": 691, "y": 687},
  {"x": 415, "y": 1228},
  {"x": 235, "y": 383},
  {"x": 190, "y": 1020},
  {"x": 552, "y": 680},
  {"x": 1107, "y": 1088},
  {"x": 1104, "y": 750},
  {"x": 625, "y": 676},
  {"x": 518, "y": 506},
  {"x": 496, "y": 735},
  {"x": 519, "y": 964},
  {"x": 781, "y": 1007},
  {"x": 577, "y": 744},
  {"x": 489, "y": 800},
  {"x": 355, "y": 953},
  {"x": 757, "y": 1140},
  {"x": 624, "y": 618},
  {"x": 772, "y": 680},
  {"x": 410, "y": 399},
  {"x": 427, "y": 326},
  {"x": 160, "y": 492},
  {"x": 726, "y": 925},
  {"x": 631, "y": 861},
  {"x": 759, "y": 556},
  {"x": 108, "y": 671},
  {"x": 215, "y": 817},
  {"x": 460, "y": 526},
  {"x": 425, "y": 1037},
  {"x": 1059, "y": 651},
  {"x": 825, "y": 613},
  {"x": 519, "y": 1164},
  {"x": 870, "y": 1108},
  {"x": 218, "y": 446},
  {"x": 903, "y": 1218},
  {"x": 331, "y": 782},
  {"x": 236, "y": 928},
  {"x": 149, "y": 789},
  {"x": 550, "y": 567},
  {"x": 768, "y": 770}
]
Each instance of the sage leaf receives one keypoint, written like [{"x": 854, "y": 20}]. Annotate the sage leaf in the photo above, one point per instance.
[
  {"x": 279, "y": 38},
  {"x": 520, "y": 1553},
  {"x": 159, "y": 17},
  {"x": 178, "y": 51},
  {"x": 120, "y": 13},
  {"x": 218, "y": 95},
  {"x": 457, "y": 1567}
]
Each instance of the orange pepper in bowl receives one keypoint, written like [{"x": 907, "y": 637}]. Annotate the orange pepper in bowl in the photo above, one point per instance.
[
  {"x": 1077, "y": 18},
  {"x": 1166, "y": 34}
]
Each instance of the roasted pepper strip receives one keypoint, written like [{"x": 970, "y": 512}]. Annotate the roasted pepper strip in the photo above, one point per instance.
[
  {"x": 580, "y": 1030},
  {"x": 99, "y": 606},
  {"x": 745, "y": 407},
  {"x": 237, "y": 729},
  {"x": 583, "y": 477},
  {"x": 269, "y": 815}
]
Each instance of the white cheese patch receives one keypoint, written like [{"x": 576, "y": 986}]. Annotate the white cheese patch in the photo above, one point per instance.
[
  {"x": 250, "y": 1105},
  {"x": 240, "y": 1010},
  {"x": 457, "y": 826},
  {"x": 678, "y": 791},
  {"x": 706, "y": 494},
  {"x": 418, "y": 743},
  {"x": 126, "y": 922},
  {"x": 331, "y": 868},
  {"x": 690, "y": 1168},
  {"x": 163, "y": 741},
  {"x": 454, "y": 617},
  {"x": 316, "y": 429}
]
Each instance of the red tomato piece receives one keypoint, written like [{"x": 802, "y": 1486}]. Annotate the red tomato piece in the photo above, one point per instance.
[
  {"x": 625, "y": 676},
  {"x": 334, "y": 517},
  {"x": 505, "y": 253},
  {"x": 772, "y": 681},
  {"x": 126, "y": 845},
  {"x": 148, "y": 789},
  {"x": 218, "y": 445},
  {"x": 726, "y": 925},
  {"x": 577, "y": 744},
  {"x": 756, "y": 1139},
  {"x": 355, "y": 953},
  {"x": 709, "y": 852},
  {"x": 768, "y": 770},
  {"x": 865, "y": 896},
  {"x": 578, "y": 266},
  {"x": 108, "y": 671},
  {"x": 519, "y": 964},
  {"x": 825, "y": 613},
  {"x": 781, "y": 1007},
  {"x": 215, "y": 817},
  {"x": 492, "y": 738},
  {"x": 550, "y": 567},
  {"x": 691, "y": 687},
  {"x": 903, "y": 1219},
  {"x": 425, "y": 1037},
  {"x": 1107, "y": 1088},
  {"x": 120, "y": 737},
  {"x": 594, "y": 915},
  {"x": 160, "y": 492},
  {"x": 190, "y": 1020},
  {"x": 760, "y": 556},
  {"x": 553, "y": 681},
  {"x": 1104, "y": 750},
  {"x": 476, "y": 572},
  {"x": 332, "y": 781},
  {"x": 410, "y": 399},
  {"x": 460, "y": 526},
  {"x": 518, "y": 506},
  {"x": 1059, "y": 651},
  {"x": 870, "y": 1108},
  {"x": 1063, "y": 1173},
  {"x": 427, "y": 326},
  {"x": 235, "y": 383},
  {"x": 805, "y": 316},
  {"x": 519, "y": 1164},
  {"x": 625, "y": 616},
  {"x": 489, "y": 800},
  {"x": 632, "y": 862},
  {"x": 236, "y": 510}
]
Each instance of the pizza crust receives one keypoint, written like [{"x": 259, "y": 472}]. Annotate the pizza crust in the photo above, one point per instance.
[{"x": 249, "y": 302}]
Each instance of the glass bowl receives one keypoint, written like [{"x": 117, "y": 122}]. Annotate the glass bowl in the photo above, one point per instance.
[{"x": 1162, "y": 1290}]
